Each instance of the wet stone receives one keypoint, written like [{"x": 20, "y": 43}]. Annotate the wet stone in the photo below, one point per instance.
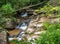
[
  {"x": 9, "y": 24},
  {"x": 55, "y": 20},
  {"x": 3, "y": 37},
  {"x": 14, "y": 32}
]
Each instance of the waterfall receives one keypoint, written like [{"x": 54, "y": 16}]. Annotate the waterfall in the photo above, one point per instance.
[
  {"x": 24, "y": 14},
  {"x": 22, "y": 26}
]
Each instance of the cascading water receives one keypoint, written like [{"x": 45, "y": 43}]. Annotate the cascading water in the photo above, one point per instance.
[
  {"x": 24, "y": 15},
  {"x": 30, "y": 32},
  {"x": 22, "y": 26}
]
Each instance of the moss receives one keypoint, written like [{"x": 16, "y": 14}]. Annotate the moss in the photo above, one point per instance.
[
  {"x": 49, "y": 9},
  {"x": 20, "y": 42}
]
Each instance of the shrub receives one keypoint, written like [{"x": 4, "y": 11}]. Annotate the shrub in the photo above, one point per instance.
[
  {"x": 52, "y": 35},
  {"x": 50, "y": 38},
  {"x": 49, "y": 9},
  {"x": 51, "y": 27},
  {"x": 7, "y": 10}
]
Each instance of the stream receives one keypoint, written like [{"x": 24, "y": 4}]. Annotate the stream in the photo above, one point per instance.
[
  {"x": 28, "y": 29},
  {"x": 22, "y": 26}
]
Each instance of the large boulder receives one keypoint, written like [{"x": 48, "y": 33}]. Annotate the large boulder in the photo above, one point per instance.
[
  {"x": 9, "y": 24},
  {"x": 14, "y": 32},
  {"x": 3, "y": 37}
]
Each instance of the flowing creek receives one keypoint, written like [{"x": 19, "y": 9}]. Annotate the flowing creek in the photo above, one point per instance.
[{"x": 29, "y": 29}]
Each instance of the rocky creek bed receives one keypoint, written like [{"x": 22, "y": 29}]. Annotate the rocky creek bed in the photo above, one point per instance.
[
  {"x": 34, "y": 29},
  {"x": 29, "y": 29}
]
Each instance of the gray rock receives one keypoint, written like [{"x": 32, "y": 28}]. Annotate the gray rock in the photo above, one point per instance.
[
  {"x": 9, "y": 24},
  {"x": 3, "y": 37},
  {"x": 55, "y": 20},
  {"x": 54, "y": 2}
]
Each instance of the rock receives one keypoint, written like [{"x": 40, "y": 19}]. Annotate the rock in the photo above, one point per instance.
[
  {"x": 30, "y": 30},
  {"x": 32, "y": 23},
  {"x": 31, "y": 37},
  {"x": 39, "y": 25},
  {"x": 14, "y": 32},
  {"x": 18, "y": 21},
  {"x": 9, "y": 24},
  {"x": 54, "y": 2},
  {"x": 14, "y": 35},
  {"x": 19, "y": 38},
  {"x": 3, "y": 37},
  {"x": 31, "y": 27},
  {"x": 43, "y": 19},
  {"x": 33, "y": 43},
  {"x": 52, "y": 16},
  {"x": 37, "y": 33},
  {"x": 55, "y": 20}
]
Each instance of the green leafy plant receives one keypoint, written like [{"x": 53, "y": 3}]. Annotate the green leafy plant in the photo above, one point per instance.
[
  {"x": 52, "y": 35},
  {"x": 20, "y": 42},
  {"x": 7, "y": 10},
  {"x": 49, "y": 9},
  {"x": 50, "y": 38}
]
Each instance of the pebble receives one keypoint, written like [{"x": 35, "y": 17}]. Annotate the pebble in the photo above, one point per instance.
[
  {"x": 30, "y": 30},
  {"x": 19, "y": 38},
  {"x": 37, "y": 32},
  {"x": 39, "y": 25}
]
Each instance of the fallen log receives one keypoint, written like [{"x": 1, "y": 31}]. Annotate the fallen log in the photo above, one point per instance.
[{"x": 31, "y": 6}]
